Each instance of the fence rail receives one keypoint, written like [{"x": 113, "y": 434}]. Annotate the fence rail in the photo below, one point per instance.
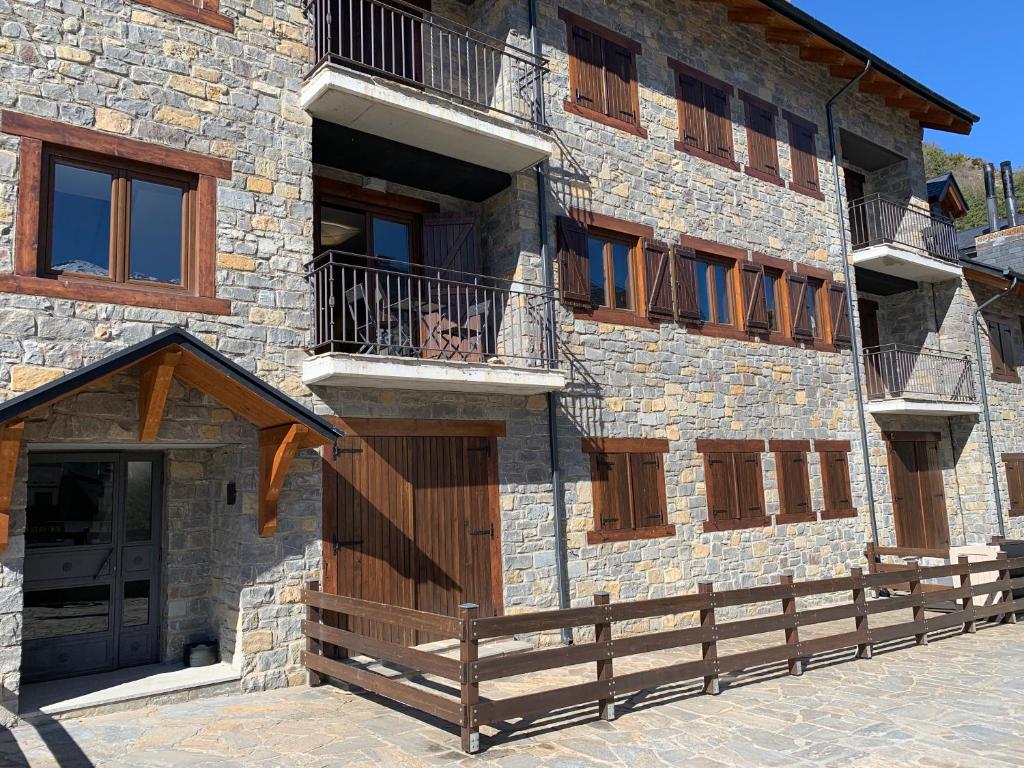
[
  {"x": 410, "y": 45},
  {"x": 328, "y": 645},
  {"x": 876, "y": 219},
  {"x": 374, "y": 306},
  {"x": 895, "y": 370}
]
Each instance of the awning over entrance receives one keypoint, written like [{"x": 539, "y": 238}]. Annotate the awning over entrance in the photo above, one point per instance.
[{"x": 285, "y": 425}]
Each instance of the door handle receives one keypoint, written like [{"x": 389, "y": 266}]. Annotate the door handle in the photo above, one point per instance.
[{"x": 103, "y": 564}]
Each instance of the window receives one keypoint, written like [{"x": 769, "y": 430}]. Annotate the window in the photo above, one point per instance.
[
  {"x": 762, "y": 144},
  {"x": 714, "y": 290},
  {"x": 804, "y": 304},
  {"x": 602, "y": 74},
  {"x": 611, "y": 271},
  {"x": 628, "y": 488},
  {"x": 773, "y": 298},
  {"x": 1014, "y": 463},
  {"x": 1004, "y": 362},
  {"x": 762, "y": 298},
  {"x": 794, "y": 480},
  {"x": 705, "y": 117},
  {"x": 118, "y": 221},
  {"x": 734, "y": 484},
  {"x": 833, "y": 456},
  {"x": 803, "y": 156},
  {"x": 121, "y": 222}
]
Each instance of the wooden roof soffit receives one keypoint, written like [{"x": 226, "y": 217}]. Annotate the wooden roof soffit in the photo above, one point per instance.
[
  {"x": 278, "y": 446},
  {"x": 10, "y": 450},
  {"x": 780, "y": 30}
]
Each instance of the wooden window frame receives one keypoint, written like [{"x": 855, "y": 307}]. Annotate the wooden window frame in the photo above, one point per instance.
[
  {"x": 39, "y": 139},
  {"x": 733, "y": 448},
  {"x": 570, "y": 104},
  {"x": 825, "y": 449},
  {"x": 784, "y": 451},
  {"x": 611, "y": 239},
  {"x": 1016, "y": 506},
  {"x": 624, "y": 232},
  {"x": 793, "y": 122},
  {"x": 749, "y": 101},
  {"x": 706, "y": 81},
  {"x": 202, "y": 11},
  {"x": 629, "y": 447},
  {"x": 1009, "y": 375}
]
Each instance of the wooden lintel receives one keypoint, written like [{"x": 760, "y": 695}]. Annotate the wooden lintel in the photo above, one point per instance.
[
  {"x": 278, "y": 446},
  {"x": 10, "y": 449},
  {"x": 154, "y": 384}
]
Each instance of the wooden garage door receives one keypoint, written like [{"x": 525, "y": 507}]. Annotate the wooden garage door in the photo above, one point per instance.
[
  {"x": 919, "y": 501},
  {"x": 412, "y": 521}
]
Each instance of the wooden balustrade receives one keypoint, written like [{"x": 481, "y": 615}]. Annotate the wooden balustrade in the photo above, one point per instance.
[{"x": 469, "y": 709}]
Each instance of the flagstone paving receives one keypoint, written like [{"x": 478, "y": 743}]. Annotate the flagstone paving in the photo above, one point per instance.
[{"x": 957, "y": 702}]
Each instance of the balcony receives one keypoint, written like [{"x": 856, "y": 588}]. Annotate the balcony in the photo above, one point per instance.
[
  {"x": 393, "y": 70},
  {"x": 903, "y": 240},
  {"x": 385, "y": 324},
  {"x": 909, "y": 381}
]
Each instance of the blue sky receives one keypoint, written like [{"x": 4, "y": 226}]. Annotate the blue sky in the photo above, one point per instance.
[{"x": 953, "y": 48}]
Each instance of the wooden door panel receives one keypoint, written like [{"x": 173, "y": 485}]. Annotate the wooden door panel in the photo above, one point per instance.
[
  {"x": 906, "y": 495},
  {"x": 933, "y": 496},
  {"x": 479, "y": 526}
]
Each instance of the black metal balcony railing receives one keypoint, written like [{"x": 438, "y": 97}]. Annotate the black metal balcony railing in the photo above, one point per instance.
[
  {"x": 895, "y": 371},
  {"x": 401, "y": 42},
  {"x": 374, "y": 306},
  {"x": 876, "y": 219}
]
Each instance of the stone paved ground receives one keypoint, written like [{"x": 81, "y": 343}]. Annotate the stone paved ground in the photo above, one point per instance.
[{"x": 958, "y": 702}]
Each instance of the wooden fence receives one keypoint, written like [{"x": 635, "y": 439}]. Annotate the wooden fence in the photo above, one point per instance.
[{"x": 969, "y": 603}]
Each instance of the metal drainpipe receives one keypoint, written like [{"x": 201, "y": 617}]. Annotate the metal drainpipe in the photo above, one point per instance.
[
  {"x": 984, "y": 403},
  {"x": 854, "y": 338},
  {"x": 558, "y": 500}
]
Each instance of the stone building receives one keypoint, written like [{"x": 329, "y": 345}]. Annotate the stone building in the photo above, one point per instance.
[{"x": 443, "y": 302}]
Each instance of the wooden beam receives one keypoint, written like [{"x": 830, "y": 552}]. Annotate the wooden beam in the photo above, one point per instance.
[
  {"x": 154, "y": 384},
  {"x": 10, "y": 449},
  {"x": 787, "y": 35},
  {"x": 278, "y": 446},
  {"x": 822, "y": 55},
  {"x": 750, "y": 15}
]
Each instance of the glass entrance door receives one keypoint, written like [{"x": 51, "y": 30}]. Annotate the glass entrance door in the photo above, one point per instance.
[{"x": 92, "y": 546}]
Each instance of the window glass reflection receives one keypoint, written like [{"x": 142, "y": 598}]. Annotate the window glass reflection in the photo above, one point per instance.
[
  {"x": 155, "y": 232},
  {"x": 139, "y": 501},
  {"x": 80, "y": 220},
  {"x": 70, "y": 503},
  {"x": 68, "y": 611},
  {"x": 595, "y": 254},
  {"x": 135, "y": 612},
  {"x": 620, "y": 263}
]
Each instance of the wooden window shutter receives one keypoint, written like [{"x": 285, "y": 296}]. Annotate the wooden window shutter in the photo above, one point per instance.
[
  {"x": 610, "y": 488},
  {"x": 801, "y": 319},
  {"x": 450, "y": 244},
  {"x": 840, "y": 317},
  {"x": 658, "y": 274},
  {"x": 720, "y": 481},
  {"x": 691, "y": 96},
  {"x": 754, "y": 297},
  {"x": 588, "y": 50},
  {"x": 647, "y": 479},
  {"x": 573, "y": 262},
  {"x": 804, "y": 156},
  {"x": 1015, "y": 483},
  {"x": 763, "y": 150},
  {"x": 687, "y": 305},
  {"x": 1006, "y": 347},
  {"x": 749, "y": 485},
  {"x": 835, "y": 480},
  {"x": 618, "y": 64},
  {"x": 794, "y": 483},
  {"x": 719, "y": 122}
]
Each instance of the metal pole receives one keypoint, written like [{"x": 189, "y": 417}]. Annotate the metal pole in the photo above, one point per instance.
[
  {"x": 854, "y": 337},
  {"x": 557, "y": 496},
  {"x": 984, "y": 404}
]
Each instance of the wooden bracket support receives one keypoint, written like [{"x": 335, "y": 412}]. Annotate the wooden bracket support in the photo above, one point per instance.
[
  {"x": 154, "y": 384},
  {"x": 278, "y": 446},
  {"x": 10, "y": 449}
]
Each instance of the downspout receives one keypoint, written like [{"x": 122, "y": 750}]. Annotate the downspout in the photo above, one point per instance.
[
  {"x": 551, "y": 348},
  {"x": 847, "y": 275},
  {"x": 984, "y": 403}
]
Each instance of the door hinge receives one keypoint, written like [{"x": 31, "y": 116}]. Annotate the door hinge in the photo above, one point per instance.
[
  {"x": 489, "y": 531},
  {"x": 336, "y": 544},
  {"x": 336, "y": 451}
]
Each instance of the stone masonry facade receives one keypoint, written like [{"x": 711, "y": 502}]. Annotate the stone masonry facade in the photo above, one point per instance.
[{"x": 137, "y": 72}]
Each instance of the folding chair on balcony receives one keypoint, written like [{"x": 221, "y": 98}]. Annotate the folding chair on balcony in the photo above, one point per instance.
[
  {"x": 371, "y": 330},
  {"x": 472, "y": 334},
  {"x": 935, "y": 237}
]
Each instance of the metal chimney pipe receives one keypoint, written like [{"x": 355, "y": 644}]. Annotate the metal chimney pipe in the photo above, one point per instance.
[
  {"x": 1006, "y": 168},
  {"x": 990, "y": 197}
]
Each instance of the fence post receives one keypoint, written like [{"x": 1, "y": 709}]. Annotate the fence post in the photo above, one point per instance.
[
  {"x": 313, "y": 645},
  {"x": 603, "y": 634},
  {"x": 709, "y": 648},
  {"x": 917, "y": 590},
  {"x": 861, "y": 620},
  {"x": 967, "y": 602},
  {"x": 1010, "y": 617},
  {"x": 796, "y": 664},
  {"x": 469, "y": 652}
]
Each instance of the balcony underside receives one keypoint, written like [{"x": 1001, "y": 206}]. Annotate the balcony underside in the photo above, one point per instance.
[
  {"x": 905, "y": 263},
  {"x": 411, "y": 116},
  {"x": 903, "y": 406},
  {"x": 376, "y": 372}
]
